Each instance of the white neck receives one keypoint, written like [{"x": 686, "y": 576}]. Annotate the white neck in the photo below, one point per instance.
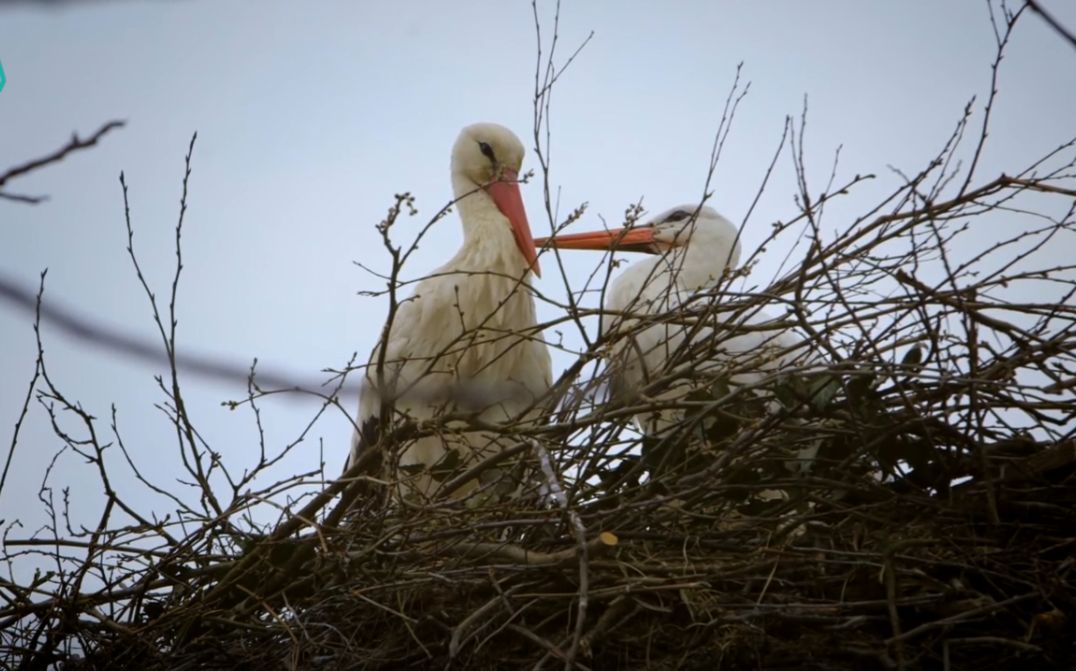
[
  {"x": 660, "y": 283},
  {"x": 488, "y": 243},
  {"x": 698, "y": 267}
]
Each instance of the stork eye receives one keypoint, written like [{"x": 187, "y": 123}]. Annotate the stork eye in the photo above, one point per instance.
[
  {"x": 679, "y": 215},
  {"x": 487, "y": 150}
]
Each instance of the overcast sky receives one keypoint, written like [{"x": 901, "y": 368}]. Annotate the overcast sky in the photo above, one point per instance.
[{"x": 310, "y": 116}]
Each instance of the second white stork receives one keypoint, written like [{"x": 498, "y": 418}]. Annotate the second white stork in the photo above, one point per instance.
[
  {"x": 692, "y": 246},
  {"x": 466, "y": 341}
]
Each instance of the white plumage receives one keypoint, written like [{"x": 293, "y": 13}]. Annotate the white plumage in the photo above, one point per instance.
[
  {"x": 692, "y": 247},
  {"x": 466, "y": 341}
]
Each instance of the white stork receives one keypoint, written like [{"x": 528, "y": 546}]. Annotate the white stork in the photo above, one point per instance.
[
  {"x": 466, "y": 340},
  {"x": 693, "y": 246}
]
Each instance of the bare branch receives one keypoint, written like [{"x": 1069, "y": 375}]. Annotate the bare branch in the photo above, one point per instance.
[{"x": 75, "y": 144}]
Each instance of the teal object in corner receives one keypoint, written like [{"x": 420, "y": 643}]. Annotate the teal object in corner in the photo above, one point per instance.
[{"x": 3, "y": 80}]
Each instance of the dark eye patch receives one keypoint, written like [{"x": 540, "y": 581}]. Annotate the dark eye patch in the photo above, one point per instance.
[
  {"x": 487, "y": 150},
  {"x": 679, "y": 215}
]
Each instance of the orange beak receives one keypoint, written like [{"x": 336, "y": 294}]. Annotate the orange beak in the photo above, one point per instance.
[
  {"x": 505, "y": 194},
  {"x": 639, "y": 239}
]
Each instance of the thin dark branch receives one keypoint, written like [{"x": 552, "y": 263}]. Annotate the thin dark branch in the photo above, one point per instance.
[
  {"x": 75, "y": 144},
  {"x": 1065, "y": 33}
]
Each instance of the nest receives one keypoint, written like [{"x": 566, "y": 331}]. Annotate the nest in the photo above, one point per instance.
[
  {"x": 930, "y": 527},
  {"x": 744, "y": 567}
]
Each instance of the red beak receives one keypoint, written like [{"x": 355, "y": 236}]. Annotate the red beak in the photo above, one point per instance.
[
  {"x": 505, "y": 194},
  {"x": 639, "y": 239}
]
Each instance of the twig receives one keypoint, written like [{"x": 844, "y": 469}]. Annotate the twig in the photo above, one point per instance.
[{"x": 75, "y": 144}]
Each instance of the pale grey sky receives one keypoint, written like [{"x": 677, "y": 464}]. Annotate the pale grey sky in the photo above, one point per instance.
[{"x": 310, "y": 116}]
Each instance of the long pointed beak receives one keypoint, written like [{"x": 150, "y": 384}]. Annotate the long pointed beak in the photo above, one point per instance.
[
  {"x": 623, "y": 239},
  {"x": 505, "y": 194}
]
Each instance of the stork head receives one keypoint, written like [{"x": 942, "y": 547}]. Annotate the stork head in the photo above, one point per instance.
[
  {"x": 694, "y": 229},
  {"x": 488, "y": 156}
]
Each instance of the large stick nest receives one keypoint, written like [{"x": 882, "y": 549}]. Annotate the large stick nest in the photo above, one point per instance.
[{"x": 932, "y": 528}]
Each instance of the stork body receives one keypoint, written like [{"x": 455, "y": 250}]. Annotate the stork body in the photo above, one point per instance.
[
  {"x": 466, "y": 341},
  {"x": 692, "y": 248}
]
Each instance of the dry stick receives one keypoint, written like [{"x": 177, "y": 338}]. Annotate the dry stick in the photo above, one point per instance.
[
  {"x": 728, "y": 116},
  {"x": 184, "y": 433},
  {"x": 995, "y": 67},
  {"x": 975, "y": 420},
  {"x": 184, "y": 424},
  {"x": 543, "y": 90},
  {"x": 840, "y": 250},
  {"x": 514, "y": 554},
  {"x": 308, "y": 513},
  {"x": 604, "y": 539},
  {"x": 461, "y": 632},
  {"x": 1053, "y": 23},
  {"x": 88, "y": 421},
  {"x": 828, "y": 271},
  {"x": 75, "y": 144},
  {"x": 547, "y": 646},
  {"x": 959, "y": 617},
  {"x": 30, "y": 390},
  {"x": 385, "y": 412}
]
